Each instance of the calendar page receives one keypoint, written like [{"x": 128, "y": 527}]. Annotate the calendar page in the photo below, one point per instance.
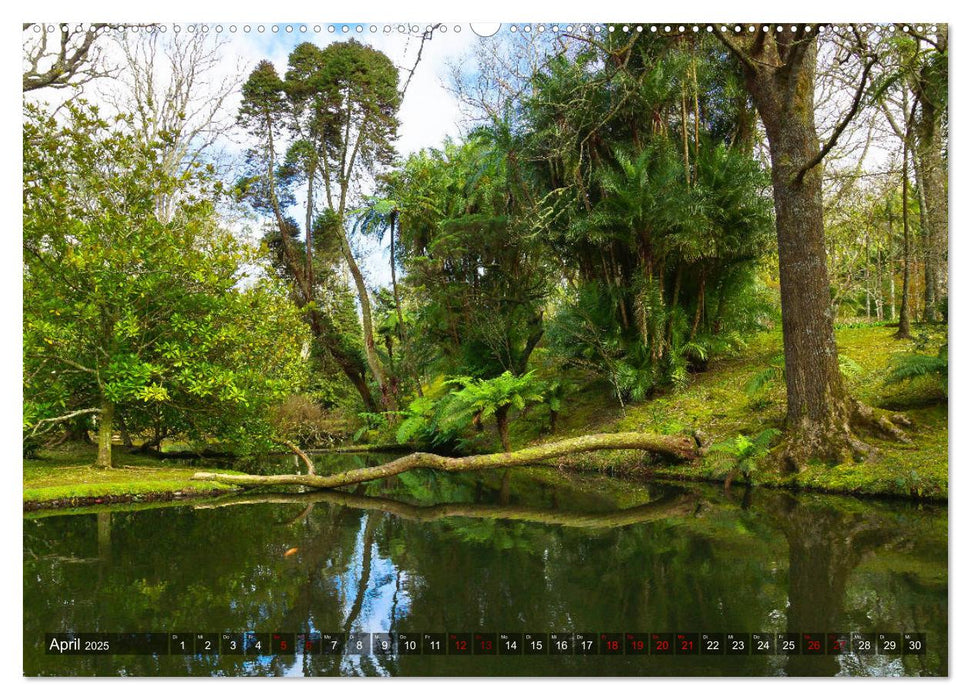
[{"x": 526, "y": 348}]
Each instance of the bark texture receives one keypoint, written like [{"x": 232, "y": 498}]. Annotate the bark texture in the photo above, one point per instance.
[{"x": 105, "y": 431}]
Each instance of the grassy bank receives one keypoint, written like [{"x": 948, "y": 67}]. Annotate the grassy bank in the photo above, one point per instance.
[
  {"x": 61, "y": 478},
  {"x": 716, "y": 403}
]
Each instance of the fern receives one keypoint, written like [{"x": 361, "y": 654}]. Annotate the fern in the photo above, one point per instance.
[
  {"x": 745, "y": 451},
  {"x": 913, "y": 366},
  {"x": 776, "y": 371},
  {"x": 850, "y": 368}
]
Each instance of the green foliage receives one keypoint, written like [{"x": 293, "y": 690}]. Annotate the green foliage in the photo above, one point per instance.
[
  {"x": 317, "y": 132},
  {"x": 374, "y": 425},
  {"x": 744, "y": 452},
  {"x": 483, "y": 398},
  {"x": 146, "y": 311},
  {"x": 480, "y": 277},
  {"x": 775, "y": 372}
]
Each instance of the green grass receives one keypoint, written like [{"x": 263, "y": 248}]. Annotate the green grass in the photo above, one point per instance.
[{"x": 66, "y": 474}]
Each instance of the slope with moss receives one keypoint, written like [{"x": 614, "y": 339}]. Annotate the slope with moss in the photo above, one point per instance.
[{"x": 716, "y": 404}]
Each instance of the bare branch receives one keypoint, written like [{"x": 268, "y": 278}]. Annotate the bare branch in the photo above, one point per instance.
[
  {"x": 427, "y": 36},
  {"x": 311, "y": 470},
  {"x": 61, "y": 419},
  {"x": 74, "y": 61},
  {"x": 837, "y": 132}
]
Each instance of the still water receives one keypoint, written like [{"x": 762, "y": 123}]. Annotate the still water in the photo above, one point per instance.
[{"x": 522, "y": 550}]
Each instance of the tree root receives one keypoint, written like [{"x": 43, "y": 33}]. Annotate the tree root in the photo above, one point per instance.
[
  {"x": 838, "y": 442},
  {"x": 884, "y": 422}
]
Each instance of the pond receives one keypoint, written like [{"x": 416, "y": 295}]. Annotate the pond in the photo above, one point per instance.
[{"x": 488, "y": 558}]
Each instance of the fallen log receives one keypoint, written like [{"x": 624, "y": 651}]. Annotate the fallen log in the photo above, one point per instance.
[{"x": 671, "y": 447}]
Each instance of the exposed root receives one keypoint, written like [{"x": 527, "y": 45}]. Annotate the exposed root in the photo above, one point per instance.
[
  {"x": 833, "y": 446},
  {"x": 884, "y": 422},
  {"x": 838, "y": 442}
]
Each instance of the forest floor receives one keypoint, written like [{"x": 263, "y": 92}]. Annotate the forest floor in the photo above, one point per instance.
[{"x": 715, "y": 402}]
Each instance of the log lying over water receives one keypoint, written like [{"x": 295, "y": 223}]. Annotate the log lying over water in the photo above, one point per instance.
[
  {"x": 668, "y": 507},
  {"x": 670, "y": 447}
]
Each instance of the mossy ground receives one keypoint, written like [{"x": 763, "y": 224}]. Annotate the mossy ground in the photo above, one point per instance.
[
  {"x": 65, "y": 476},
  {"x": 715, "y": 402}
]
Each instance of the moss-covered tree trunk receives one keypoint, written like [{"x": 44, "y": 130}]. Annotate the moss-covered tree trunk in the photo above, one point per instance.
[
  {"x": 903, "y": 329},
  {"x": 105, "y": 430},
  {"x": 818, "y": 414},
  {"x": 676, "y": 448}
]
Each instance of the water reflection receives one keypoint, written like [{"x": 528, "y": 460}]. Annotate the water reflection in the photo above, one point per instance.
[{"x": 518, "y": 551}]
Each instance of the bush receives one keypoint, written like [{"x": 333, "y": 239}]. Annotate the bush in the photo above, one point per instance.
[{"x": 302, "y": 420}]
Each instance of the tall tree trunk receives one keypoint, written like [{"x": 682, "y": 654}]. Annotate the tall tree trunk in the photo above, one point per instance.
[
  {"x": 903, "y": 330},
  {"x": 700, "y": 307},
  {"x": 930, "y": 305},
  {"x": 684, "y": 135},
  {"x": 105, "y": 429},
  {"x": 675, "y": 297},
  {"x": 779, "y": 70},
  {"x": 929, "y": 149},
  {"x": 367, "y": 324},
  {"x": 349, "y": 362},
  {"x": 866, "y": 270},
  {"x": 304, "y": 291}
]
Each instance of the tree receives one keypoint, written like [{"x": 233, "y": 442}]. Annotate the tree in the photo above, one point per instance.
[
  {"x": 129, "y": 316},
  {"x": 465, "y": 234},
  {"x": 929, "y": 84},
  {"x": 170, "y": 85},
  {"x": 338, "y": 105},
  {"x": 263, "y": 113},
  {"x": 657, "y": 211},
  {"x": 779, "y": 68}
]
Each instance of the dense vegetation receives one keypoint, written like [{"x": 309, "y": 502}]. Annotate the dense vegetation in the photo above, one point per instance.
[{"x": 633, "y": 210}]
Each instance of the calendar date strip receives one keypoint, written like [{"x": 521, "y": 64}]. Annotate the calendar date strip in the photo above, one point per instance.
[{"x": 485, "y": 643}]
